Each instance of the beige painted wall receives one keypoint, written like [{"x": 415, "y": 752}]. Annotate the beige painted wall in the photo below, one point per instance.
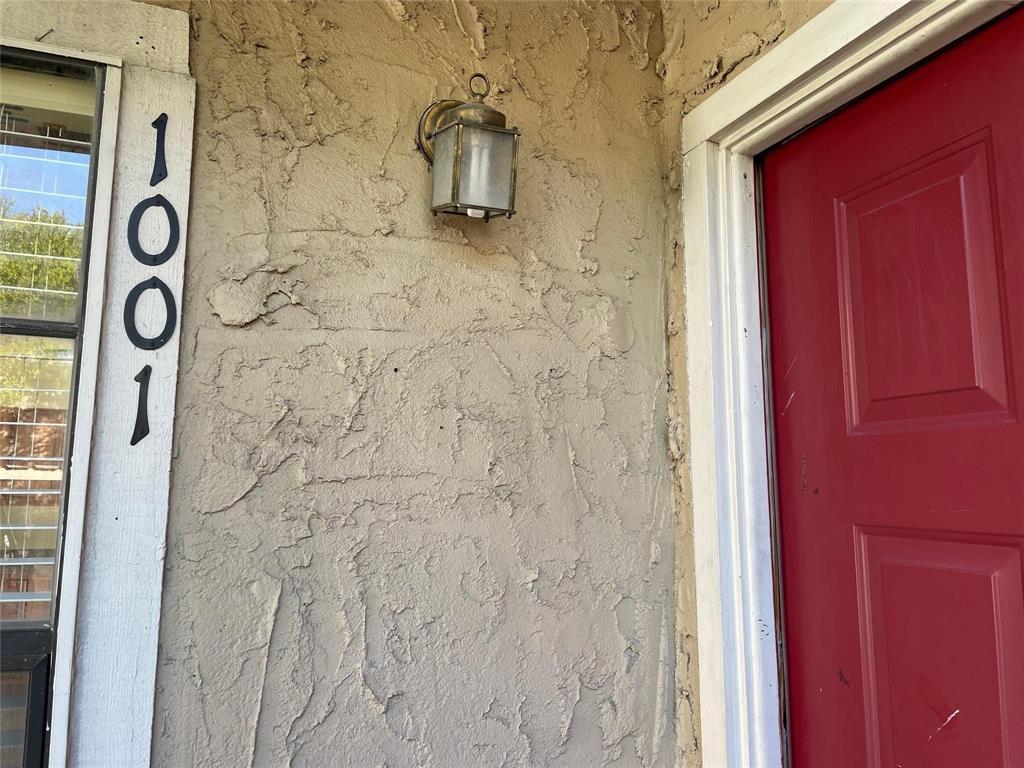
[{"x": 421, "y": 509}]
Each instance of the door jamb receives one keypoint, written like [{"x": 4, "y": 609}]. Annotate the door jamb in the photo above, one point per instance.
[{"x": 847, "y": 49}]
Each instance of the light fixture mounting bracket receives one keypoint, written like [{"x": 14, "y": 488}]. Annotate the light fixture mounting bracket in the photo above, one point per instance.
[{"x": 429, "y": 121}]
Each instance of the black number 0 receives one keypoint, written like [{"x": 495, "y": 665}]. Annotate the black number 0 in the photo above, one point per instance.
[
  {"x": 140, "y": 254},
  {"x": 140, "y": 341}
]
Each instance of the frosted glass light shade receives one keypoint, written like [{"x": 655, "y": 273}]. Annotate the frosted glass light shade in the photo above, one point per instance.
[
  {"x": 474, "y": 170},
  {"x": 486, "y": 178},
  {"x": 444, "y": 167}
]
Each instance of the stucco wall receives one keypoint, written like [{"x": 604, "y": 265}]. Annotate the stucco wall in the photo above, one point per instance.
[
  {"x": 421, "y": 506},
  {"x": 705, "y": 43}
]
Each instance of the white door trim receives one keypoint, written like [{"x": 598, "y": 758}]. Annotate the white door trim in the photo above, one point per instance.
[{"x": 848, "y": 48}]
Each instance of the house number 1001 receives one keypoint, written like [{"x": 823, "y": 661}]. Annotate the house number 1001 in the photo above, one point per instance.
[{"x": 141, "y": 255}]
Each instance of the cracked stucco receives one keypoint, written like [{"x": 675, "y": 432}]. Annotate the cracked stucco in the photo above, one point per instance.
[{"x": 422, "y": 496}]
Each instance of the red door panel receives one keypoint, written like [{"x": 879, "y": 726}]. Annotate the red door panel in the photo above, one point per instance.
[{"x": 894, "y": 245}]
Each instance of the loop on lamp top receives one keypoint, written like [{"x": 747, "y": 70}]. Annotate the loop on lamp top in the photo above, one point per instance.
[{"x": 478, "y": 95}]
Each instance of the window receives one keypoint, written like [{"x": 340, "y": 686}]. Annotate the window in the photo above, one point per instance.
[{"x": 49, "y": 118}]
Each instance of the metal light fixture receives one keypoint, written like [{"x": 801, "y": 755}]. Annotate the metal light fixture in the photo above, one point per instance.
[{"x": 472, "y": 156}]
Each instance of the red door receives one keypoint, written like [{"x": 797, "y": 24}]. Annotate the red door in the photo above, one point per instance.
[{"x": 894, "y": 237}]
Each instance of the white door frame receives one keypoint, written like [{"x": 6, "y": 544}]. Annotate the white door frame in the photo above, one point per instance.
[{"x": 848, "y": 48}]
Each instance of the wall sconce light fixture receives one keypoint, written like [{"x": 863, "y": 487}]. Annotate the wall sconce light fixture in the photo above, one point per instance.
[{"x": 472, "y": 156}]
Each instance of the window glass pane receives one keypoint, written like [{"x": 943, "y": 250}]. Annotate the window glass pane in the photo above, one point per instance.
[
  {"x": 35, "y": 391},
  {"x": 46, "y": 126},
  {"x": 13, "y": 712}
]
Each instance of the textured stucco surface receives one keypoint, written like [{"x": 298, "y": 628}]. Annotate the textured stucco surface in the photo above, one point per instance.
[
  {"x": 421, "y": 509},
  {"x": 422, "y": 496}
]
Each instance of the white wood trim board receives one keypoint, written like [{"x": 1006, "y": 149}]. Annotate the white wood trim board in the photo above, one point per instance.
[
  {"x": 81, "y": 449},
  {"x": 123, "y": 552},
  {"x": 847, "y": 49}
]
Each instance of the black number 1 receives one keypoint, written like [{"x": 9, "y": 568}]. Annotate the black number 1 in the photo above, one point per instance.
[
  {"x": 142, "y": 411},
  {"x": 159, "y": 161}
]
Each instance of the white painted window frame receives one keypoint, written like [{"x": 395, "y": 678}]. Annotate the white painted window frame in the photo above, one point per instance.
[
  {"x": 104, "y": 659},
  {"x": 847, "y": 49}
]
